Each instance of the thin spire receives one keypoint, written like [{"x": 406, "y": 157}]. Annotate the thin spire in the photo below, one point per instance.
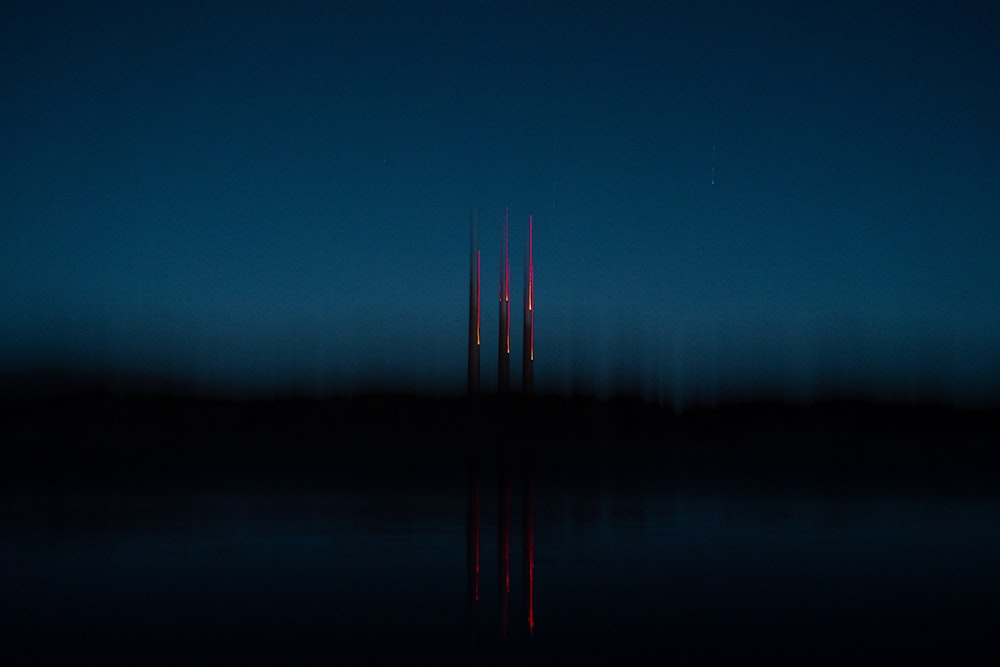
[
  {"x": 528, "y": 341},
  {"x": 503, "y": 352},
  {"x": 474, "y": 310}
]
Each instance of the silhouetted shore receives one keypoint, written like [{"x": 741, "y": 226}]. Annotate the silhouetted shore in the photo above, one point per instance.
[{"x": 144, "y": 433}]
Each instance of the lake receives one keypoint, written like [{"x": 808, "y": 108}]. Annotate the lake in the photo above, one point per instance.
[{"x": 502, "y": 558}]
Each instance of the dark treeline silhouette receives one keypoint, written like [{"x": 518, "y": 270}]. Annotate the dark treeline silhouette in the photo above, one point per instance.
[{"x": 144, "y": 429}]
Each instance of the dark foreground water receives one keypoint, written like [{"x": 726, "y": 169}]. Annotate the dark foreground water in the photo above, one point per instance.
[{"x": 505, "y": 560}]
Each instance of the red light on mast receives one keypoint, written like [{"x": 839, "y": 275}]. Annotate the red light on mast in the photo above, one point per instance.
[
  {"x": 531, "y": 264},
  {"x": 506, "y": 258},
  {"x": 508, "y": 326},
  {"x": 531, "y": 281},
  {"x": 478, "y": 272},
  {"x": 506, "y": 270}
]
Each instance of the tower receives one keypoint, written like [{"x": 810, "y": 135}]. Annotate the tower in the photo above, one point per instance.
[
  {"x": 528, "y": 349},
  {"x": 474, "y": 315},
  {"x": 503, "y": 352}
]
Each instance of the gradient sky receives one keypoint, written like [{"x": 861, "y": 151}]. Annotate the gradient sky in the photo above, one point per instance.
[{"x": 739, "y": 194}]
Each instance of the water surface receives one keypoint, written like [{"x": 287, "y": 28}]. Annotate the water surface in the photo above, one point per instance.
[{"x": 505, "y": 560}]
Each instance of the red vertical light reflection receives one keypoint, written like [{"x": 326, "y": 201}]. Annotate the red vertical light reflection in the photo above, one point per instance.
[
  {"x": 472, "y": 545},
  {"x": 529, "y": 530},
  {"x": 503, "y": 547},
  {"x": 528, "y": 541},
  {"x": 475, "y": 539}
]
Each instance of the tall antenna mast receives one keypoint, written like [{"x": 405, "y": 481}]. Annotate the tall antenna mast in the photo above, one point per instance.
[
  {"x": 474, "y": 311},
  {"x": 503, "y": 352},
  {"x": 528, "y": 350}
]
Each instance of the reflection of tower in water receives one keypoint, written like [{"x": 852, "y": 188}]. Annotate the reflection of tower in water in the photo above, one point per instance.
[
  {"x": 472, "y": 543},
  {"x": 528, "y": 541},
  {"x": 503, "y": 542},
  {"x": 505, "y": 482}
]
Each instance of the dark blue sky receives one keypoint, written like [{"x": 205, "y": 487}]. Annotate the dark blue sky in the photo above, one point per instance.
[{"x": 250, "y": 194}]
